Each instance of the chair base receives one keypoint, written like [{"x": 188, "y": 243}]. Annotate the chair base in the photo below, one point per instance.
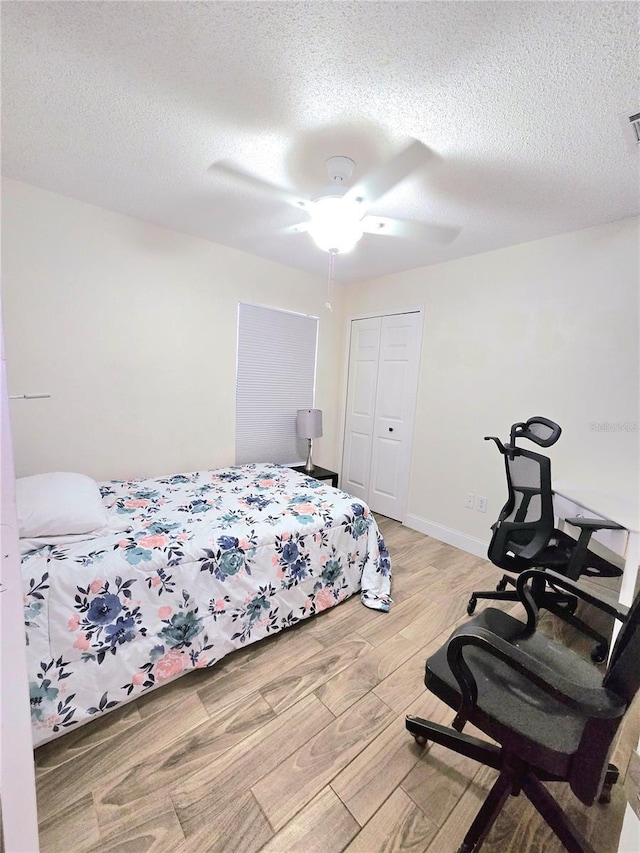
[
  {"x": 561, "y": 605},
  {"x": 515, "y": 776}
]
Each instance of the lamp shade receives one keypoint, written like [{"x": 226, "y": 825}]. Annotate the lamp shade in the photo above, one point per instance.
[{"x": 309, "y": 423}]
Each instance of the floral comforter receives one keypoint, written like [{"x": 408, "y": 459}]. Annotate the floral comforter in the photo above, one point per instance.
[{"x": 210, "y": 561}]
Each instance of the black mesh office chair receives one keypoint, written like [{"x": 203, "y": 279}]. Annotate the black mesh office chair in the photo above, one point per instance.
[
  {"x": 524, "y": 535},
  {"x": 552, "y": 713}
]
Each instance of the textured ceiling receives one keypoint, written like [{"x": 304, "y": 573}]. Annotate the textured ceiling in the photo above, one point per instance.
[{"x": 126, "y": 105}]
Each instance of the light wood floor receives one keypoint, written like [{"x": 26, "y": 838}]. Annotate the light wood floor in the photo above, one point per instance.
[{"x": 298, "y": 743}]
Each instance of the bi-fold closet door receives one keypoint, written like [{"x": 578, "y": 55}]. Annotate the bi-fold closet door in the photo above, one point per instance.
[{"x": 381, "y": 396}]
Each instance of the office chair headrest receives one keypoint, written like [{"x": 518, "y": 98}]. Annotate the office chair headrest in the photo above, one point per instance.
[{"x": 540, "y": 430}]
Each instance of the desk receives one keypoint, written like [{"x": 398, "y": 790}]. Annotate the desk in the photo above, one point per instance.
[
  {"x": 614, "y": 507},
  {"x": 618, "y": 508}
]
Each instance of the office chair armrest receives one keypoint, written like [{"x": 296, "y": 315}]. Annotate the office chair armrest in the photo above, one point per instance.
[
  {"x": 618, "y": 611},
  {"x": 594, "y": 523},
  {"x": 495, "y": 438},
  {"x": 595, "y": 703},
  {"x": 587, "y": 527}
]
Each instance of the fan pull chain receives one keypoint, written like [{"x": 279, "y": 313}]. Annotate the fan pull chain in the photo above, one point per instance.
[{"x": 332, "y": 261}]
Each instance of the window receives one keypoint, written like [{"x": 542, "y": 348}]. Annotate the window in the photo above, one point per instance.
[{"x": 275, "y": 376}]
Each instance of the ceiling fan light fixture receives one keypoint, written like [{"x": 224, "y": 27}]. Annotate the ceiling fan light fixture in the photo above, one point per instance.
[{"x": 335, "y": 224}]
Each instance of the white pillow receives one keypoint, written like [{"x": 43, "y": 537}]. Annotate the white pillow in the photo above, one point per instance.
[{"x": 59, "y": 504}]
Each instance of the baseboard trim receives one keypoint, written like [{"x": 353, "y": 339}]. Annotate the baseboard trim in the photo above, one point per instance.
[{"x": 470, "y": 544}]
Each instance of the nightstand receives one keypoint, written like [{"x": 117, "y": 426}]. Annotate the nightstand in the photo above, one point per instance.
[{"x": 319, "y": 473}]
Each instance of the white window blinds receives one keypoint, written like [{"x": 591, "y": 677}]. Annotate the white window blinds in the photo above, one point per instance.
[{"x": 275, "y": 376}]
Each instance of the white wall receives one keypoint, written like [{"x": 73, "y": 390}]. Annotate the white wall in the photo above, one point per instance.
[
  {"x": 132, "y": 329},
  {"x": 19, "y": 831},
  {"x": 543, "y": 328}
]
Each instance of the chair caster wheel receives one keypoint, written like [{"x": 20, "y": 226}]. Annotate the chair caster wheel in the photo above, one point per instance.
[
  {"x": 599, "y": 654},
  {"x": 421, "y": 740},
  {"x": 605, "y": 794},
  {"x": 501, "y": 585},
  {"x": 471, "y": 606}
]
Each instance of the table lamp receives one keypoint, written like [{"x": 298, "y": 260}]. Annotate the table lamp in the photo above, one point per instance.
[{"x": 309, "y": 424}]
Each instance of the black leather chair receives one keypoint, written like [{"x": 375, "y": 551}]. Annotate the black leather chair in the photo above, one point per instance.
[
  {"x": 524, "y": 536},
  {"x": 552, "y": 713}
]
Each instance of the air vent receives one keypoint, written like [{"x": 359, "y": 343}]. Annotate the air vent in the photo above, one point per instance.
[{"x": 630, "y": 126}]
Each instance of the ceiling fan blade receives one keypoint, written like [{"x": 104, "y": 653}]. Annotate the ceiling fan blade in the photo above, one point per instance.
[
  {"x": 298, "y": 228},
  {"x": 249, "y": 180},
  {"x": 419, "y": 231},
  {"x": 379, "y": 181}
]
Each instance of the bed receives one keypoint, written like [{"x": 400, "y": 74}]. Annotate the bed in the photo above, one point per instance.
[{"x": 179, "y": 572}]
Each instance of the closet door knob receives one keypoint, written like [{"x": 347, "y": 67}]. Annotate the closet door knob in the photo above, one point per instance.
[{"x": 390, "y": 429}]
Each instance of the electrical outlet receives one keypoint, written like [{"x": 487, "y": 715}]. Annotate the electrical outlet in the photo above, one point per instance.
[
  {"x": 481, "y": 504},
  {"x": 468, "y": 500}
]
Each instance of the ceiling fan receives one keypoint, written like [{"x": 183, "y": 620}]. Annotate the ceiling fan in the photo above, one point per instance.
[{"x": 338, "y": 216}]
